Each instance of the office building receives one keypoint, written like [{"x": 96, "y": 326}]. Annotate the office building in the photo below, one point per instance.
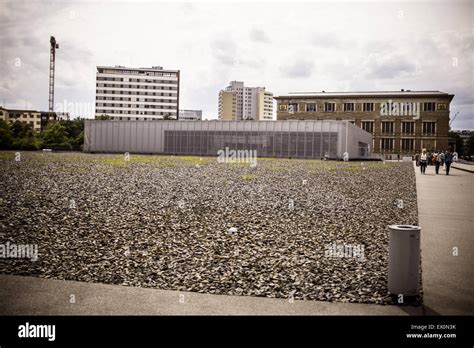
[
  {"x": 402, "y": 122},
  {"x": 36, "y": 119},
  {"x": 137, "y": 93},
  {"x": 237, "y": 102}
]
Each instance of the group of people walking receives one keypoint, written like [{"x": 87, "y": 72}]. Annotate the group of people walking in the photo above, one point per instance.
[{"x": 438, "y": 158}]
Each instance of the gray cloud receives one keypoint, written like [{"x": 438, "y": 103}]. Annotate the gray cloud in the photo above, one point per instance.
[
  {"x": 388, "y": 66},
  {"x": 331, "y": 40},
  {"x": 299, "y": 68},
  {"x": 349, "y": 53},
  {"x": 259, "y": 35},
  {"x": 225, "y": 51}
]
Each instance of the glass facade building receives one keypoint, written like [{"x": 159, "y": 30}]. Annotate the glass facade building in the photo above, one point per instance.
[{"x": 285, "y": 139}]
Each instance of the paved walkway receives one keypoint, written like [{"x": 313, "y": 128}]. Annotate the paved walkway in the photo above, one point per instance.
[
  {"x": 446, "y": 210},
  {"x": 445, "y": 206},
  {"x": 38, "y": 296}
]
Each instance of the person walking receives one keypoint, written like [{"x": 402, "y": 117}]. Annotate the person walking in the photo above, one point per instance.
[
  {"x": 437, "y": 161},
  {"x": 423, "y": 161},
  {"x": 448, "y": 159}
]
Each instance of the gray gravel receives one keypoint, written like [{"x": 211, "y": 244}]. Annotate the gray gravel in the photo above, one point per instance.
[{"x": 190, "y": 224}]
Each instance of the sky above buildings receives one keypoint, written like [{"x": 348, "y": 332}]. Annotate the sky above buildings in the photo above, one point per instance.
[{"x": 284, "y": 46}]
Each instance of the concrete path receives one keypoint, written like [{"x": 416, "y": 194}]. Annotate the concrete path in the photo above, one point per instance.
[
  {"x": 446, "y": 210},
  {"x": 37, "y": 296},
  {"x": 445, "y": 206}
]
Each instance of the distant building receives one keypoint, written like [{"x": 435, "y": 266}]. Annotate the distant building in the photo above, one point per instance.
[
  {"x": 190, "y": 115},
  {"x": 31, "y": 117},
  {"x": 137, "y": 93},
  {"x": 402, "y": 122},
  {"x": 238, "y": 102}
]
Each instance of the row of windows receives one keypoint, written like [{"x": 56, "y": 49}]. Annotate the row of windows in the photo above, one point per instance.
[
  {"x": 121, "y": 79},
  {"x": 407, "y": 127},
  {"x": 407, "y": 145},
  {"x": 23, "y": 115},
  {"x": 160, "y": 100},
  {"x": 128, "y": 112},
  {"x": 113, "y": 85},
  {"x": 137, "y": 106},
  {"x": 349, "y": 107},
  {"x": 138, "y": 118},
  {"x": 103, "y": 91}
]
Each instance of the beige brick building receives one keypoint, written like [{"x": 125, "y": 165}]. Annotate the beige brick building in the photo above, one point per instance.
[
  {"x": 401, "y": 122},
  {"x": 37, "y": 119},
  {"x": 30, "y": 117}
]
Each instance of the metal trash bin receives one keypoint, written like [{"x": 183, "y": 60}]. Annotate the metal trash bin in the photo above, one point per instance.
[{"x": 404, "y": 260}]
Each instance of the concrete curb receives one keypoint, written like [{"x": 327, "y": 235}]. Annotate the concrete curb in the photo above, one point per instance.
[{"x": 465, "y": 167}]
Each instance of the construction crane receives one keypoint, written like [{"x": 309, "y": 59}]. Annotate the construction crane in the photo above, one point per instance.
[
  {"x": 450, "y": 122},
  {"x": 52, "y": 60}
]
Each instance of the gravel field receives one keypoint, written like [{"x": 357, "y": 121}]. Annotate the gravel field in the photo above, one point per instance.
[{"x": 192, "y": 224}]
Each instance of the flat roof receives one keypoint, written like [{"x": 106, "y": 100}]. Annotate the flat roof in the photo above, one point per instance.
[
  {"x": 119, "y": 67},
  {"x": 373, "y": 94},
  {"x": 18, "y": 110}
]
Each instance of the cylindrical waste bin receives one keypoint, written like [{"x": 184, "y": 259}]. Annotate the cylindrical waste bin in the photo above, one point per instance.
[{"x": 404, "y": 260}]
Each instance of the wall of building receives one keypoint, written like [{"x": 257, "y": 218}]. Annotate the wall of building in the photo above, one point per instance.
[
  {"x": 437, "y": 140},
  {"x": 31, "y": 117},
  {"x": 227, "y": 106},
  {"x": 137, "y": 93},
  {"x": 299, "y": 139},
  {"x": 249, "y": 103}
]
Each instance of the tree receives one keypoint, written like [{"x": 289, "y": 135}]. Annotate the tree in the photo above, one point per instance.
[
  {"x": 470, "y": 145},
  {"x": 55, "y": 136},
  {"x": 21, "y": 130},
  {"x": 75, "y": 132},
  {"x": 6, "y": 138},
  {"x": 459, "y": 142}
]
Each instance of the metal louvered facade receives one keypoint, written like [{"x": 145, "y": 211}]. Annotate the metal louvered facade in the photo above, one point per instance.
[{"x": 286, "y": 139}]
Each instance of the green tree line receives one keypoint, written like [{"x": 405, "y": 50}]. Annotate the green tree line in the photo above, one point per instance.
[{"x": 61, "y": 135}]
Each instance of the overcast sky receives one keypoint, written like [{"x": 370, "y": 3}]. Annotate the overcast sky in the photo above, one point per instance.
[{"x": 284, "y": 46}]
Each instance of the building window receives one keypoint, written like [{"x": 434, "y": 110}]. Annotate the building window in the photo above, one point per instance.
[
  {"x": 368, "y": 126},
  {"x": 386, "y": 144},
  {"x": 408, "y": 144},
  {"x": 428, "y": 128},
  {"x": 368, "y": 107},
  {"x": 408, "y": 127},
  {"x": 428, "y": 144},
  {"x": 311, "y": 107},
  {"x": 429, "y": 106},
  {"x": 329, "y": 107},
  {"x": 387, "y": 127},
  {"x": 348, "y": 106},
  {"x": 442, "y": 107},
  {"x": 293, "y": 107}
]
